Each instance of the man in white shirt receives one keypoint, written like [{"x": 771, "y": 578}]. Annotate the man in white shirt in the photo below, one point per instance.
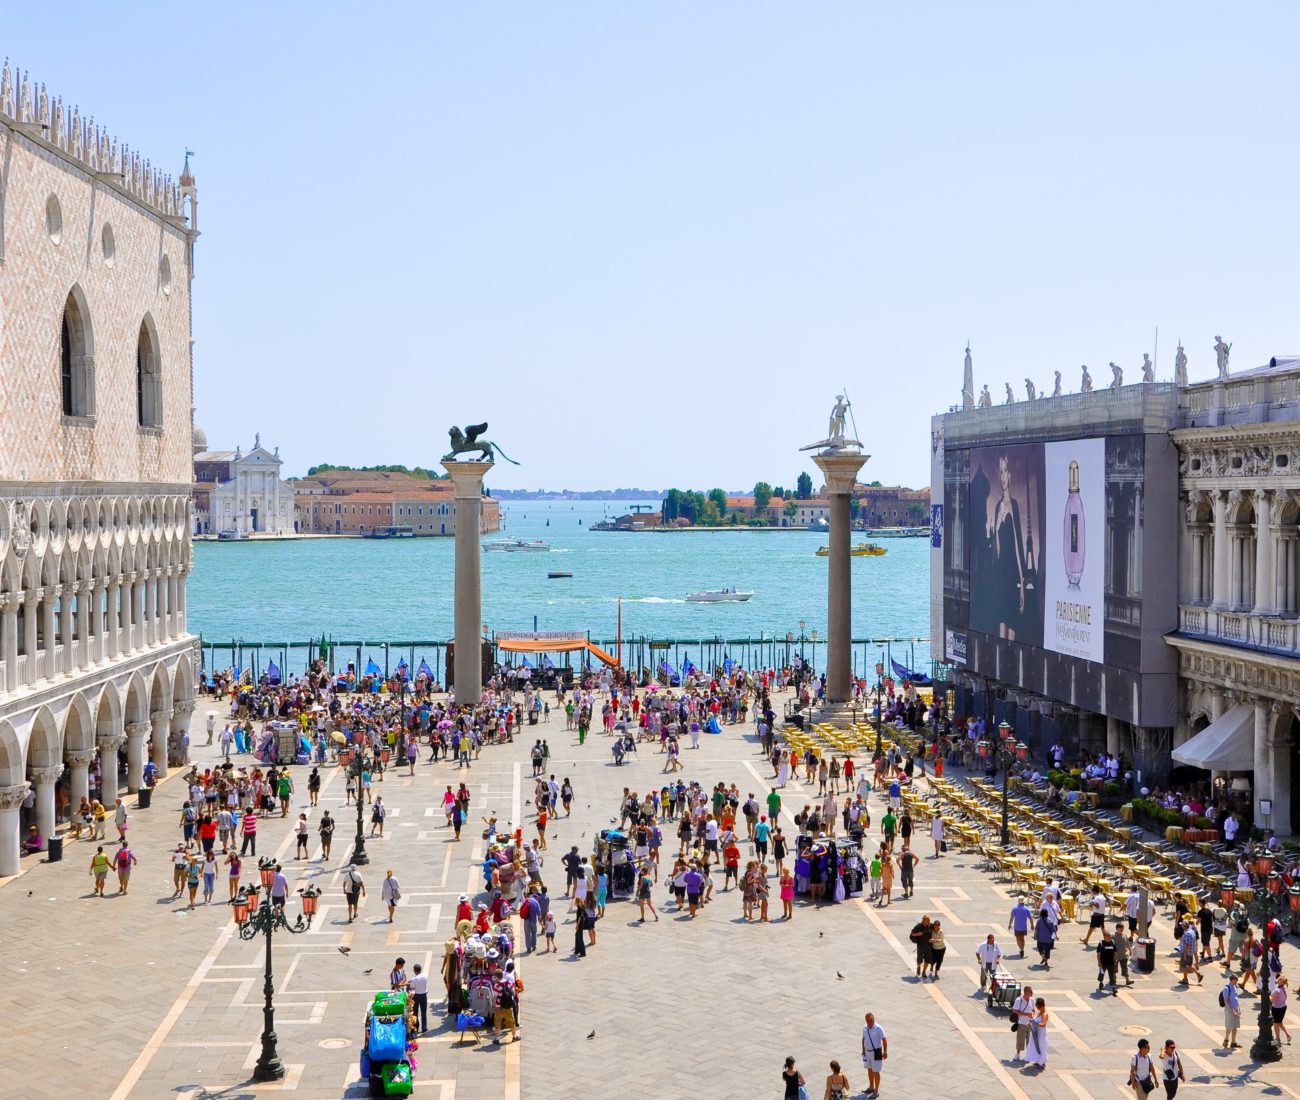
[
  {"x": 1097, "y": 919},
  {"x": 989, "y": 955},
  {"x": 212, "y": 726},
  {"x": 418, "y": 986},
  {"x": 1132, "y": 907},
  {"x": 875, "y": 1049},
  {"x": 1021, "y": 1012},
  {"x": 1230, "y": 826}
]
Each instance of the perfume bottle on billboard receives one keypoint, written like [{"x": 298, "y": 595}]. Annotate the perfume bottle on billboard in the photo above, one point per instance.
[{"x": 1074, "y": 530}]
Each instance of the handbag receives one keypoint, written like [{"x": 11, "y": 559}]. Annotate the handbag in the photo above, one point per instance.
[
  {"x": 803, "y": 1092},
  {"x": 1148, "y": 1085}
]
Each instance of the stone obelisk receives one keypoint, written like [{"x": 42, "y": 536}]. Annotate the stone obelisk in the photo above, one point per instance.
[
  {"x": 839, "y": 460},
  {"x": 467, "y": 672}
]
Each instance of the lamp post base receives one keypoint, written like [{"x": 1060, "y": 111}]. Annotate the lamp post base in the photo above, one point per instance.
[
  {"x": 270, "y": 1068},
  {"x": 1265, "y": 1050},
  {"x": 359, "y": 856}
]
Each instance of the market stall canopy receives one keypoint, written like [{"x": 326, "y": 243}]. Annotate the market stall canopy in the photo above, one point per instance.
[
  {"x": 1226, "y": 745},
  {"x": 552, "y": 644}
]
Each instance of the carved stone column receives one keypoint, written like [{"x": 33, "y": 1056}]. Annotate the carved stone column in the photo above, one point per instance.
[
  {"x": 1265, "y": 585},
  {"x": 30, "y": 608},
  {"x": 149, "y": 599},
  {"x": 78, "y": 761},
  {"x": 1222, "y": 554},
  {"x": 182, "y": 713},
  {"x": 112, "y": 642},
  {"x": 108, "y": 741},
  {"x": 85, "y": 612},
  {"x": 43, "y": 779},
  {"x": 161, "y": 720},
  {"x": 136, "y": 732},
  {"x": 49, "y": 665},
  {"x": 11, "y": 801},
  {"x": 9, "y": 610}
]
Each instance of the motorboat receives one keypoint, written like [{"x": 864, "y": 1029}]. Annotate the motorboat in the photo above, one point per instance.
[
  {"x": 393, "y": 531},
  {"x": 719, "y": 595},
  {"x": 556, "y": 574},
  {"x": 518, "y": 546},
  {"x": 860, "y": 550}
]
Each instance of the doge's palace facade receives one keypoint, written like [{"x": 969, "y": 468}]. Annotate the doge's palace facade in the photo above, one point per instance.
[{"x": 96, "y": 251}]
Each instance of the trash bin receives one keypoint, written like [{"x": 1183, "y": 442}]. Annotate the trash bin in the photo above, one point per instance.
[
  {"x": 532, "y": 717},
  {"x": 54, "y": 849},
  {"x": 143, "y": 797},
  {"x": 1144, "y": 956}
]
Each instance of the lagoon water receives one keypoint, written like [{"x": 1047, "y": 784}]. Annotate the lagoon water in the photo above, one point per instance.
[{"x": 402, "y": 589}]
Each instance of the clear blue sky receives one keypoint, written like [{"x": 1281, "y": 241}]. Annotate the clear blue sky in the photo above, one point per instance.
[{"x": 648, "y": 242}]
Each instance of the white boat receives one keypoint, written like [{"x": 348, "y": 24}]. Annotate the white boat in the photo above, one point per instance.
[
  {"x": 719, "y": 595},
  {"x": 518, "y": 546}
]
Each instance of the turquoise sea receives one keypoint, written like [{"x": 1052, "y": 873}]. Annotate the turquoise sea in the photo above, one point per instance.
[{"x": 402, "y": 590}]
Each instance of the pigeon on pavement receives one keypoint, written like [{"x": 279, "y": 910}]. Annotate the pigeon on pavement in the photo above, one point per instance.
[{"x": 592, "y": 1034}]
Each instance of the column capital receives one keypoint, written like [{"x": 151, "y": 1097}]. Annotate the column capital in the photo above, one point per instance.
[
  {"x": 9, "y": 601},
  {"x": 137, "y": 729},
  {"x": 108, "y": 742},
  {"x": 11, "y": 798},
  {"x": 33, "y": 596},
  {"x": 44, "y": 776},
  {"x": 466, "y": 477},
  {"x": 183, "y": 707},
  {"x": 840, "y": 469},
  {"x": 79, "y": 758},
  {"x": 160, "y": 716}
]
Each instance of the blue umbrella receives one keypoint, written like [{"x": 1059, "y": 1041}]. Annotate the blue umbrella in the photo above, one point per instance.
[{"x": 372, "y": 669}]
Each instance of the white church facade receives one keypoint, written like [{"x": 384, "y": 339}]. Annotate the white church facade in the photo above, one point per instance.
[{"x": 238, "y": 493}]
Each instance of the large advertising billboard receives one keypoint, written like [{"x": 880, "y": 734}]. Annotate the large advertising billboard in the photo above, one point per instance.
[
  {"x": 1074, "y": 578},
  {"x": 1005, "y": 541}
]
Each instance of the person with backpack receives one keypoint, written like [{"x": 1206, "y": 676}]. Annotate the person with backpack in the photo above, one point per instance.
[
  {"x": 506, "y": 1004},
  {"x": 354, "y": 888},
  {"x": 124, "y": 859},
  {"x": 530, "y": 911},
  {"x": 1230, "y": 1002},
  {"x": 1141, "y": 1071},
  {"x": 326, "y": 831},
  {"x": 1171, "y": 1066}
]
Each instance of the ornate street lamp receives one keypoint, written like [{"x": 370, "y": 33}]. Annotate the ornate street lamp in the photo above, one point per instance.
[
  {"x": 1005, "y": 757},
  {"x": 1264, "y": 909},
  {"x": 360, "y": 763},
  {"x": 264, "y": 920}
]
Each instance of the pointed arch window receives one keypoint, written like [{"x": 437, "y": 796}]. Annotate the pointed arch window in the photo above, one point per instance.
[
  {"x": 148, "y": 381},
  {"x": 76, "y": 364}
]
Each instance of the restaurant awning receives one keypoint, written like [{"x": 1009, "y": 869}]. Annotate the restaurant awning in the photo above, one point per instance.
[{"x": 1226, "y": 745}]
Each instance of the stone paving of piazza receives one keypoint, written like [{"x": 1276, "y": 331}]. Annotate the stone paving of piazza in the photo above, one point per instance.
[{"x": 136, "y": 997}]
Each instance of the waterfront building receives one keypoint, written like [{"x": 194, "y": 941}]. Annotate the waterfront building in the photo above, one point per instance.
[
  {"x": 356, "y": 502},
  {"x": 1182, "y": 651},
  {"x": 241, "y": 492},
  {"x": 891, "y": 506},
  {"x": 96, "y": 251}
]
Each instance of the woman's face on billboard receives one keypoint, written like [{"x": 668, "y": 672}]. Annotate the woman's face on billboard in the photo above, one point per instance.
[{"x": 1004, "y": 472}]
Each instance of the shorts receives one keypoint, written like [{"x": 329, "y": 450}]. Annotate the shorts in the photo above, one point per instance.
[
  {"x": 1097, "y": 920},
  {"x": 692, "y": 899},
  {"x": 352, "y": 899},
  {"x": 1279, "y": 1014},
  {"x": 505, "y": 1018},
  {"x": 710, "y": 845}
]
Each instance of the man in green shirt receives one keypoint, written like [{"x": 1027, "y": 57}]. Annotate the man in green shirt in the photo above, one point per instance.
[
  {"x": 773, "y": 806},
  {"x": 874, "y": 870},
  {"x": 888, "y": 824}
]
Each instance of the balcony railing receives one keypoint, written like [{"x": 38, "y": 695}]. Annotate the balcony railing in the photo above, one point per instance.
[{"x": 1241, "y": 628}]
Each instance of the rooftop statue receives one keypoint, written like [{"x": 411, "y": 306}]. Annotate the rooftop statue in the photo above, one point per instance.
[
  {"x": 1180, "y": 367},
  {"x": 1086, "y": 386},
  {"x": 1148, "y": 368},
  {"x": 468, "y": 440},
  {"x": 1029, "y": 389},
  {"x": 1116, "y": 376},
  {"x": 1221, "y": 357},
  {"x": 1056, "y": 390},
  {"x": 986, "y": 399}
]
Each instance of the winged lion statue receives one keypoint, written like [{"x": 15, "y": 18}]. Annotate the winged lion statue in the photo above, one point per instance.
[{"x": 468, "y": 440}]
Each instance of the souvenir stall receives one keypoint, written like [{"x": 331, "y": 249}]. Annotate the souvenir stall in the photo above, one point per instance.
[
  {"x": 836, "y": 863},
  {"x": 613, "y": 852},
  {"x": 388, "y": 1050}
]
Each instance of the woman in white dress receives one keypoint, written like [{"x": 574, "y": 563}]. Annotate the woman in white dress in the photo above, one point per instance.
[
  {"x": 936, "y": 833},
  {"x": 783, "y": 771},
  {"x": 1036, "y": 1051},
  {"x": 1243, "y": 875}
]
